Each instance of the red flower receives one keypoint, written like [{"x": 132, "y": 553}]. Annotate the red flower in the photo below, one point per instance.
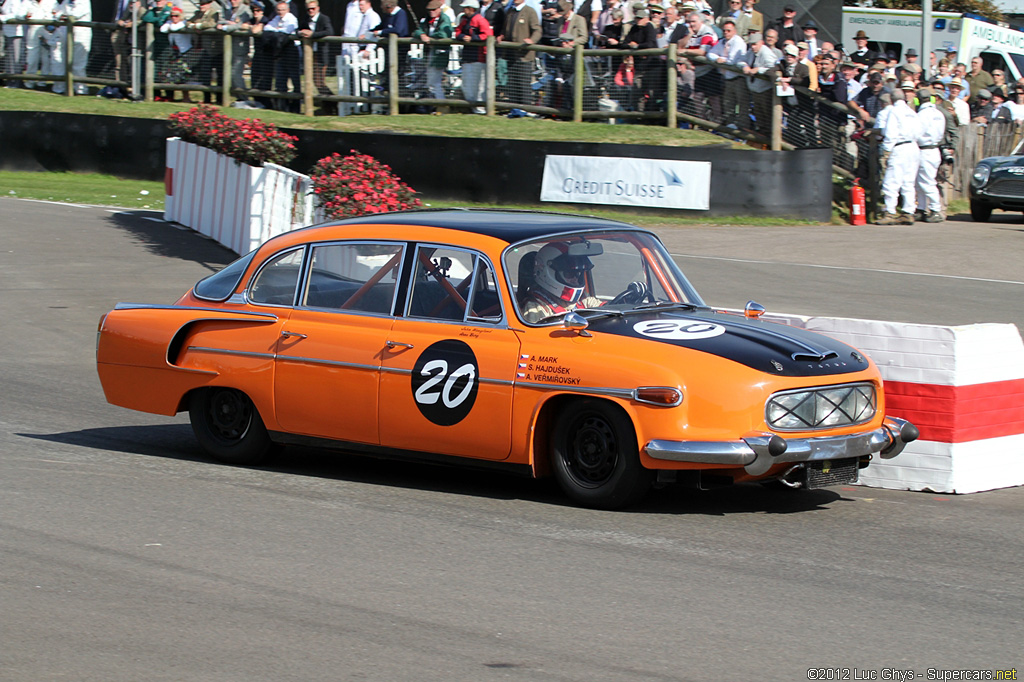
[{"x": 358, "y": 184}]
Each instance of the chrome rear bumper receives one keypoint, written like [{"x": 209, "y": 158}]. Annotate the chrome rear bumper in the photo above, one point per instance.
[{"x": 759, "y": 452}]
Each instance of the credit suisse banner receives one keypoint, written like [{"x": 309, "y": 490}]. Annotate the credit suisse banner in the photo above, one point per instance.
[{"x": 624, "y": 181}]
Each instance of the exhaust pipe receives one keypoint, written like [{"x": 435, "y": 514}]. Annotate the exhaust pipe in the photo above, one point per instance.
[{"x": 785, "y": 480}]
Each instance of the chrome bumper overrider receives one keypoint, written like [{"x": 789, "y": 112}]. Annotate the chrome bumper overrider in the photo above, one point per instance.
[{"x": 759, "y": 452}]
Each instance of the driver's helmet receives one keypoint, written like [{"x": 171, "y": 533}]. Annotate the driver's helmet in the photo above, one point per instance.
[{"x": 559, "y": 275}]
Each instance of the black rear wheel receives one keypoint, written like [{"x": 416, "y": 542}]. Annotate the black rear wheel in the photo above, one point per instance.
[
  {"x": 595, "y": 456},
  {"x": 228, "y": 426}
]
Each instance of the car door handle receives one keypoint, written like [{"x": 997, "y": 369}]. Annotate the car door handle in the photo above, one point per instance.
[
  {"x": 295, "y": 334},
  {"x": 397, "y": 344}
]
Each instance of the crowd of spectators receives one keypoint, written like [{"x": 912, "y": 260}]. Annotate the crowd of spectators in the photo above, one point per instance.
[{"x": 727, "y": 66}]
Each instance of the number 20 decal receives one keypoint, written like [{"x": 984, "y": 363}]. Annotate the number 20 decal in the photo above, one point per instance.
[
  {"x": 445, "y": 379},
  {"x": 426, "y": 394},
  {"x": 680, "y": 330}
]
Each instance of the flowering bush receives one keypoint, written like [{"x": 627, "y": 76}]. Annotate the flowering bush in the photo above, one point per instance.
[
  {"x": 358, "y": 184},
  {"x": 249, "y": 141}
]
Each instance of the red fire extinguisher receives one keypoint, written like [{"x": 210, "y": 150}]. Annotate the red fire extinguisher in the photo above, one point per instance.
[{"x": 857, "y": 206}]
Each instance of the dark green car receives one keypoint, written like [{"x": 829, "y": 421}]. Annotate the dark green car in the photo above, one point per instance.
[{"x": 997, "y": 182}]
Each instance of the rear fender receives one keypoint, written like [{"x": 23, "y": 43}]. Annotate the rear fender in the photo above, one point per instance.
[{"x": 142, "y": 358}]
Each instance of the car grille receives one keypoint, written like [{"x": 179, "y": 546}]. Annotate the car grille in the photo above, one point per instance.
[
  {"x": 837, "y": 472},
  {"x": 1007, "y": 187},
  {"x": 826, "y": 407}
]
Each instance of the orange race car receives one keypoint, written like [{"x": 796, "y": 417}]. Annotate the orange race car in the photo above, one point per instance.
[{"x": 536, "y": 342}]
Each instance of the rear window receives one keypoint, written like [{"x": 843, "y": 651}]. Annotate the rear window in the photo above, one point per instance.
[{"x": 220, "y": 285}]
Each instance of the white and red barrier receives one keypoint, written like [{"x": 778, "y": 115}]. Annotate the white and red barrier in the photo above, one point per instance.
[
  {"x": 236, "y": 205},
  {"x": 963, "y": 387}
]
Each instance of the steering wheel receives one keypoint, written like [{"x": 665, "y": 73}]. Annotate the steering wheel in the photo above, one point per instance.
[{"x": 634, "y": 293}]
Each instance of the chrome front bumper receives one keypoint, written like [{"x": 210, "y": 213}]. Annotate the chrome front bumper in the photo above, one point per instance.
[{"x": 757, "y": 453}]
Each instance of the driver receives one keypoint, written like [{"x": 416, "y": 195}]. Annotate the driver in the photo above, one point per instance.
[{"x": 559, "y": 278}]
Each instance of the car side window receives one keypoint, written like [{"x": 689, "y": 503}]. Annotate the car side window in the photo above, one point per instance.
[
  {"x": 356, "y": 276},
  {"x": 485, "y": 304},
  {"x": 277, "y": 281},
  {"x": 450, "y": 284}
]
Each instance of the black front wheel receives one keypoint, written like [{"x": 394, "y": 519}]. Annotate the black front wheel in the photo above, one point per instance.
[
  {"x": 595, "y": 457},
  {"x": 228, "y": 426},
  {"x": 980, "y": 212}
]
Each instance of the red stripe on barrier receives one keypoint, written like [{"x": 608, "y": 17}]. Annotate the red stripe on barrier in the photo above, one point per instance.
[
  {"x": 957, "y": 414},
  {"x": 169, "y": 181}
]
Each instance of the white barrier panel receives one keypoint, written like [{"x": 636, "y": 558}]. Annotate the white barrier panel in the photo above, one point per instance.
[
  {"x": 963, "y": 387},
  {"x": 624, "y": 181},
  {"x": 236, "y": 205}
]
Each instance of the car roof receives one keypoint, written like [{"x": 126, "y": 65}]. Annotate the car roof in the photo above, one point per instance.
[{"x": 509, "y": 226}]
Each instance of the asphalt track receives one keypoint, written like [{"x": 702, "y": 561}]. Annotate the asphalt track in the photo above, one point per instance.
[{"x": 127, "y": 555}]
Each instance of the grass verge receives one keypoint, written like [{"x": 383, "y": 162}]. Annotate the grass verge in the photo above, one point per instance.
[{"x": 83, "y": 188}]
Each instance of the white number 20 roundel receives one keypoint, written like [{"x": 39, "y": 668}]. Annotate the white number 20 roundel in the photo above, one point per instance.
[
  {"x": 685, "y": 330},
  {"x": 445, "y": 379}
]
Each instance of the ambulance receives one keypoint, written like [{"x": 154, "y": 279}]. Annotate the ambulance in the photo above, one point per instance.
[{"x": 893, "y": 30}]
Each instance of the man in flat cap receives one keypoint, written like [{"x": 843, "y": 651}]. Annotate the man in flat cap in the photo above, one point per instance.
[
  {"x": 982, "y": 109},
  {"x": 811, "y": 38},
  {"x": 910, "y": 56}
]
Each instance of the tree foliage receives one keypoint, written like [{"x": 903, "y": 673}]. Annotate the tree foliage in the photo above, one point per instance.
[{"x": 985, "y": 8}]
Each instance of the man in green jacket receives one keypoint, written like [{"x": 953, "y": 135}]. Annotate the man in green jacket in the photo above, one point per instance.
[{"x": 435, "y": 26}]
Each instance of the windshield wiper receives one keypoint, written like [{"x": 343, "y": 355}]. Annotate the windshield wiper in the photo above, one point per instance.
[
  {"x": 660, "y": 305},
  {"x": 594, "y": 312}
]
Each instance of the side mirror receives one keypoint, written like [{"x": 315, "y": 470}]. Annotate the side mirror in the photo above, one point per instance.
[
  {"x": 576, "y": 323},
  {"x": 753, "y": 310}
]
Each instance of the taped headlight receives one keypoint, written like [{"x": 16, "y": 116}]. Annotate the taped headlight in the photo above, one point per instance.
[
  {"x": 981, "y": 174},
  {"x": 827, "y": 407}
]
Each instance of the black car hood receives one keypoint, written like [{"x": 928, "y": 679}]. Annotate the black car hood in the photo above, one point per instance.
[
  {"x": 1001, "y": 164},
  {"x": 769, "y": 347}
]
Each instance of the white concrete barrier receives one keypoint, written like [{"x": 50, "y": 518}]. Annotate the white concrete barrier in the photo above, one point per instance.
[
  {"x": 963, "y": 387},
  {"x": 234, "y": 204}
]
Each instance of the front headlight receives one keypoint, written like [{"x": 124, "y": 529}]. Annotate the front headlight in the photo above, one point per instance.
[
  {"x": 821, "y": 408},
  {"x": 981, "y": 173}
]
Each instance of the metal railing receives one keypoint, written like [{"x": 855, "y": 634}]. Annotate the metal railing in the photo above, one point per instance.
[
  {"x": 576, "y": 83},
  {"x": 393, "y": 75}
]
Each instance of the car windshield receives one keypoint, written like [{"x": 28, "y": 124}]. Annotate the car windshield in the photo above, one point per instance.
[{"x": 610, "y": 272}]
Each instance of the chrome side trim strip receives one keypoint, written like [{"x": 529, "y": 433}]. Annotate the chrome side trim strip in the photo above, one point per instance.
[
  {"x": 483, "y": 380},
  {"x": 270, "y": 317},
  {"x": 225, "y": 351},
  {"x": 327, "y": 363},
  {"x": 624, "y": 393}
]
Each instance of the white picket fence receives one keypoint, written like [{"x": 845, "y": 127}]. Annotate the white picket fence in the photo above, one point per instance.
[
  {"x": 358, "y": 73},
  {"x": 234, "y": 204}
]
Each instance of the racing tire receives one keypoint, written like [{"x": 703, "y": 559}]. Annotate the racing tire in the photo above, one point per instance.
[
  {"x": 595, "y": 457},
  {"x": 228, "y": 426},
  {"x": 980, "y": 212}
]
